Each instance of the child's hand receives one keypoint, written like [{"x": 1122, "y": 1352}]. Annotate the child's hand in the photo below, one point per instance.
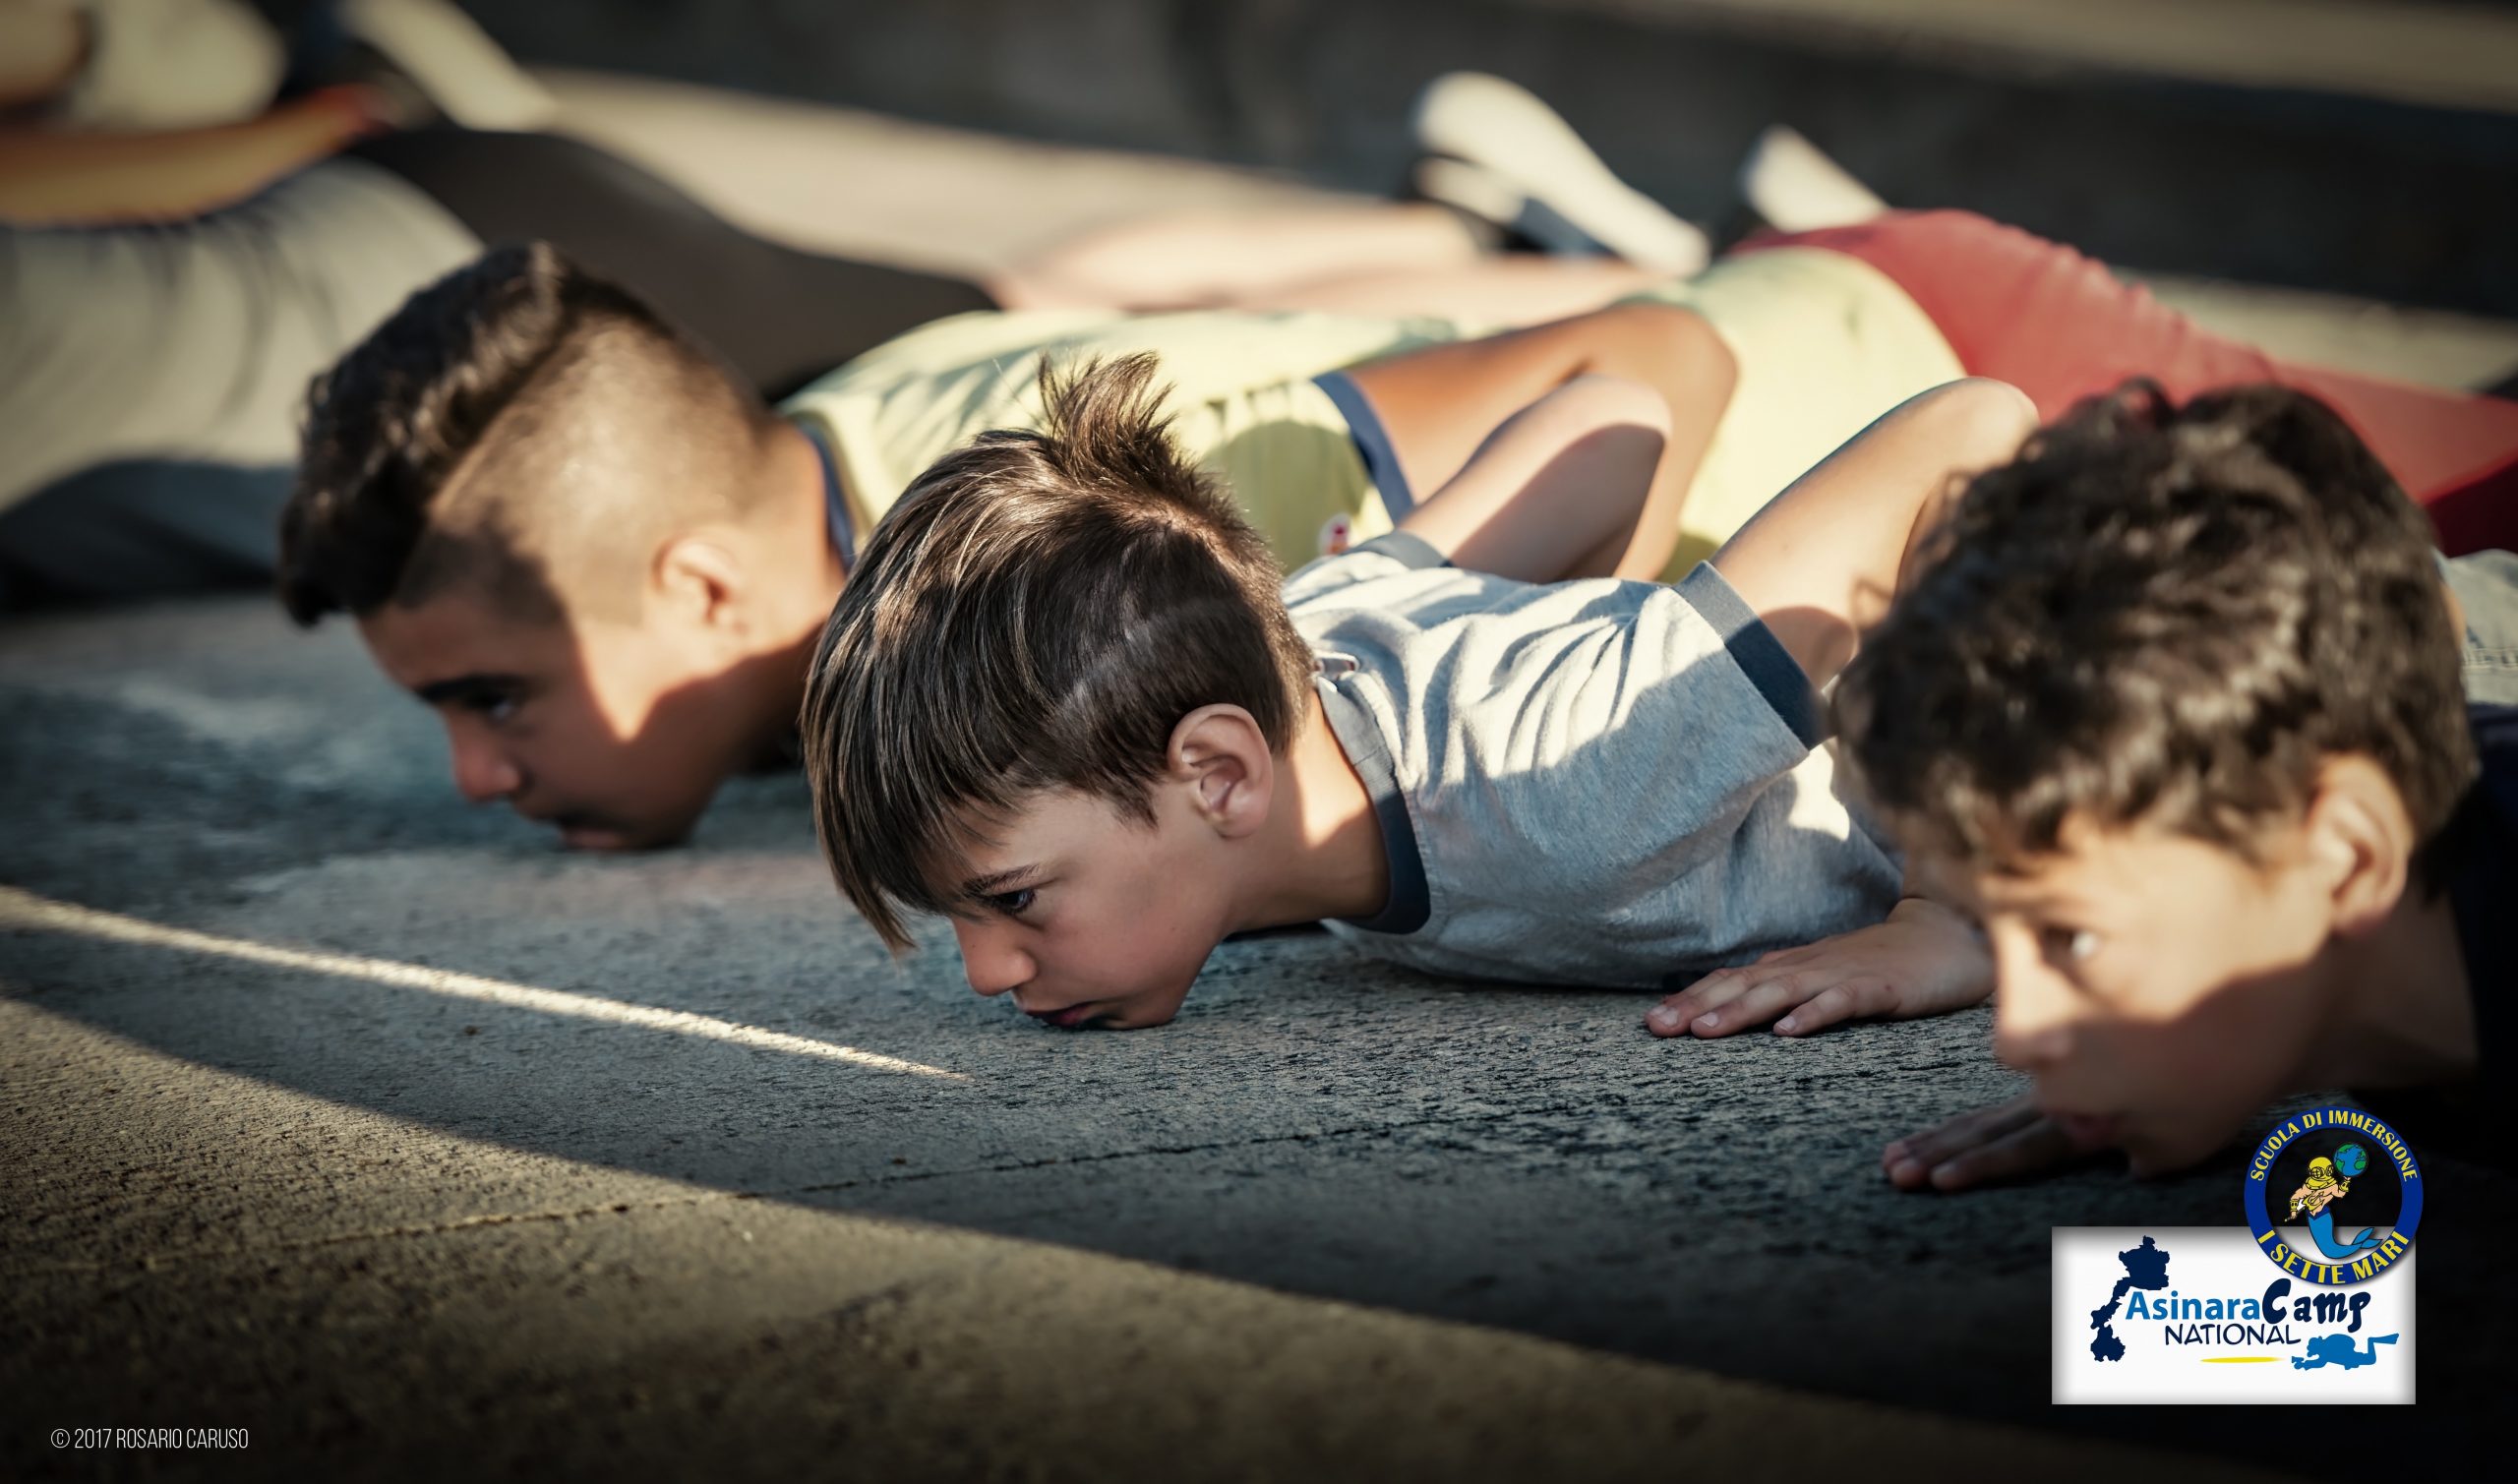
[
  {"x": 1998, "y": 1143},
  {"x": 1923, "y": 960}
]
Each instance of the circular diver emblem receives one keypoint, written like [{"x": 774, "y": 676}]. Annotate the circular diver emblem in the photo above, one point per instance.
[{"x": 2333, "y": 1195}]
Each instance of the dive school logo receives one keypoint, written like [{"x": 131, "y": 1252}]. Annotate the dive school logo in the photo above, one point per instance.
[
  {"x": 2333, "y": 1195},
  {"x": 2188, "y": 1315}
]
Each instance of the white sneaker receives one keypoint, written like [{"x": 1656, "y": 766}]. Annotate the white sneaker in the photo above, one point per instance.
[
  {"x": 1796, "y": 187},
  {"x": 1476, "y": 190},
  {"x": 1480, "y": 193},
  {"x": 453, "y": 61},
  {"x": 1501, "y": 129}
]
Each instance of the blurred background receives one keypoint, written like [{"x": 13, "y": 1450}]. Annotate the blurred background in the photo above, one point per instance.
[{"x": 2361, "y": 146}]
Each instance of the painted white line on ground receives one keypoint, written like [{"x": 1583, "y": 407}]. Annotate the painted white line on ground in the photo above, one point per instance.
[{"x": 25, "y": 910}]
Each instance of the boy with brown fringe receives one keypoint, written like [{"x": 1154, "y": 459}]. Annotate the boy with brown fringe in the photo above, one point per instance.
[{"x": 1064, "y": 702}]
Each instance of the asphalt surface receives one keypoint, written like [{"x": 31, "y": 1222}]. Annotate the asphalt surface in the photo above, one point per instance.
[
  {"x": 374, "y": 1126},
  {"x": 388, "y": 1154}
]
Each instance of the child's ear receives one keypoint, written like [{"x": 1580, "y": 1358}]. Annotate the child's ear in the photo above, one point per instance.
[
  {"x": 2363, "y": 842},
  {"x": 698, "y": 581},
  {"x": 1220, "y": 753}
]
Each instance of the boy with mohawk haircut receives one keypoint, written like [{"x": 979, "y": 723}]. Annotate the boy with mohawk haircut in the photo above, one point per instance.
[
  {"x": 2180, "y": 708},
  {"x": 1065, "y": 701},
  {"x": 602, "y": 560}
]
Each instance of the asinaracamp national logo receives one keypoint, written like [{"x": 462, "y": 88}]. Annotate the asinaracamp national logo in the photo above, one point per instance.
[{"x": 2311, "y": 1301}]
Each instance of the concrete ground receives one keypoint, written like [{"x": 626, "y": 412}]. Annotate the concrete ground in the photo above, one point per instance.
[{"x": 332, "y": 1111}]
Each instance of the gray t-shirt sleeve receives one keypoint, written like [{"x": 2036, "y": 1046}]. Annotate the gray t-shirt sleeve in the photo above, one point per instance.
[
  {"x": 1756, "y": 654},
  {"x": 1605, "y": 782},
  {"x": 1318, "y": 581},
  {"x": 2487, "y": 587}
]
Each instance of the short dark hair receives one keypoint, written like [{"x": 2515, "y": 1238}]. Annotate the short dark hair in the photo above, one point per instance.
[
  {"x": 1039, "y": 612},
  {"x": 2162, "y": 614},
  {"x": 515, "y": 359}
]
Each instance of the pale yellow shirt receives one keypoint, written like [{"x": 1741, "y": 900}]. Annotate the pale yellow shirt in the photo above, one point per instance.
[
  {"x": 1824, "y": 343},
  {"x": 1242, "y": 403}
]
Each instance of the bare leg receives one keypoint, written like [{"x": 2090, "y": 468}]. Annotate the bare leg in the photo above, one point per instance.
[
  {"x": 1211, "y": 259},
  {"x": 1558, "y": 490},
  {"x": 1498, "y": 293},
  {"x": 1361, "y": 258},
  {"x": 1440, "y": 403}
]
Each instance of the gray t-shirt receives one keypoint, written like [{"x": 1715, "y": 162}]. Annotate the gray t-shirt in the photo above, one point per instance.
[
  {"x": 1595, "y": 783},
  {"x": 2487, "y": 587}
]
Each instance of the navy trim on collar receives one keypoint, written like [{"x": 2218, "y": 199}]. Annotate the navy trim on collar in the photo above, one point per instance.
[
  {"x": 1411, "y": 901},
  {"x": 843, "y": 529}
]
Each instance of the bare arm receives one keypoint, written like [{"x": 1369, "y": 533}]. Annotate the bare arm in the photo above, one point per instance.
[
  {"x": 1438, "y": 404},
  {"x": 1819, "y": 563},
  {"x": 1560, "y": 488},
  {"x": 95, "y": 179}
]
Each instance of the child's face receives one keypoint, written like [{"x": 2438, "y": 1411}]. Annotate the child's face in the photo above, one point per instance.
[
  {"x": 2161, "y": 989},
  {"x": 613, "y": 733},
  {"x": 1087, "y": 917}
]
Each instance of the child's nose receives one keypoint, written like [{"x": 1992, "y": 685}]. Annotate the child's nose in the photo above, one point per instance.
[
  {"x": 2032, "y": 1024},
  {"x": 483, "y": 772},
  {"x": 2033, "y": 1008},
  {"x": 992, "y": 964}
]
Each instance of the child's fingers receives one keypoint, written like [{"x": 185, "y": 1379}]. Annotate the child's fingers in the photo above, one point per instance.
[
  {"x": 1721, "y": 986},
  {"x": 2041, "y": 1144},
  {"x": 1769, "y": 995},
  {"x": 1910, "y": 1160},
  {"x": 1851, "y": 1000}
]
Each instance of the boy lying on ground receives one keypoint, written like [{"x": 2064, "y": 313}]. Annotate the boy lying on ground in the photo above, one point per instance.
[
  {"x": 2175, "y": 707},
  {"x": 603, "y": 559},
  {"x": 1063, "y": 701}
]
